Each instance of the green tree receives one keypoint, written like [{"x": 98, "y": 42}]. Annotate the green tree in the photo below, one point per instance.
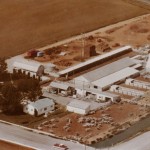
[
  {"x": 10, "y": 99},
  {"x": 3, "y": 65},
  {"x": 29, "y": 88}
]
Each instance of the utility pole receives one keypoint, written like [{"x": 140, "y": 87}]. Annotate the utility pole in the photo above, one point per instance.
[{"x": 83, "y": 46}]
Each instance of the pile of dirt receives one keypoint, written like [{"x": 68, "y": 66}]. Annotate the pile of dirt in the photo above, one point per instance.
[
  {"x": 103, "y": 46},
  {"x": 138, "y": 29},
  {"x": 64, "y": 62}
]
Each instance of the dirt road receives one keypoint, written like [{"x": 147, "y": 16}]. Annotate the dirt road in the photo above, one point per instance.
[{"x": 93, "y": 32}]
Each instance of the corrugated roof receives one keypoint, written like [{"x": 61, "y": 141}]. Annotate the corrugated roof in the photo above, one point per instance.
[
  {"x": 115, "y": 77},
  {"x": 108, "y": 69},
  {"x": 42, "y": 103},
  {"x": 70, "y": 69},
  {"x": 107, "y": 94},
  {"x": 79, "y": 104},
  {"x": 59, "y": 85},
  {"x": 29, "y": 66}
]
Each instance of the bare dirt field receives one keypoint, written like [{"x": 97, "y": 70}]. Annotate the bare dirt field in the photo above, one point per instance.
[
  {"x": 9, "y": 146},
  {"x": 32, "y": 24}
]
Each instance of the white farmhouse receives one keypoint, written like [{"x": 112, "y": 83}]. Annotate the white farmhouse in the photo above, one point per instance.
[
  {"x": 78, "y": 107},
  {"x": 39, "y": 107}
]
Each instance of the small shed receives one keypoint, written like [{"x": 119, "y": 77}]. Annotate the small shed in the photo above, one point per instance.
[
  {"x": 103, "y": 96},
  {"x": 79, "y": 107},
  {"x": 61, "y": 86},
  {"x": 89, "y": 51},
  {"x": 39, "y": 107}
]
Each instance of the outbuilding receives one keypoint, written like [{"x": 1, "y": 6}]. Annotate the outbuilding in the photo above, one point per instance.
[
  {"x": 29, "y": 66},
  {"x": 61, "y": 87},
  {"x": 79, "y": 107},
  {"x": 39, "y": 107},
  {"x": 103, "y": 96}
]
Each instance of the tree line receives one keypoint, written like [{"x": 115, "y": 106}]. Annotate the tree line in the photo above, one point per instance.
[{"x": 16, "y": 87}]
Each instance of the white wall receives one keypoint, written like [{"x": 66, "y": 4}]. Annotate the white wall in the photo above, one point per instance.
[
  {"x": 78, "y": 110},
  {"x": 30, "y": 109},
  {"x": 81, "y": 92}
]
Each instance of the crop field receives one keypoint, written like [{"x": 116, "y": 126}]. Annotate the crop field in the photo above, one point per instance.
[
  {"x": 34, "y": 23},
  {"x": 9, "y": 146}
]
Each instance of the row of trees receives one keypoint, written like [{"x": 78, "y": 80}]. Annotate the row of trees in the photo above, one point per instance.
[
  {"x": 13, "y": 93},
  {"x": 16, "y": 87}
]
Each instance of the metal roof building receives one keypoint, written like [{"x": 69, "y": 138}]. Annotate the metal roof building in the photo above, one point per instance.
[
  {"x": 59, "y": 85},
  {"x": 79, "y": 107},
  {"x": 30, "y": 66},
  {"x": 42, "y": 103},
  {"x": 106, "y": 70},
  {"x": 107, "y": 81},
  {"x": 95, "y": 59},
  {"x": 39, "y": 107}
]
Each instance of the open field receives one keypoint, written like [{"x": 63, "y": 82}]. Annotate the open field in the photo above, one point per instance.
[
  {"x": 9, "y": 146},
  {"x": 33, "y": 24}
]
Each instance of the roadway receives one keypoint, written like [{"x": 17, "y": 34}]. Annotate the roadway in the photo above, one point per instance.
[
  {"x": 140, "y": 142},
  {"x": 33, "y": 140},
  {"x": 37, "y": 141}
]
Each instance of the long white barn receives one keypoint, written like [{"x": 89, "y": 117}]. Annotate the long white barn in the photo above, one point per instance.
[
  {"x": 94, "y": 60},
  {"x": 103, "y": 77}
]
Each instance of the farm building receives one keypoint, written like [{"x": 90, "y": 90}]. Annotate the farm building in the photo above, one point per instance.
[
  {"x": 89, "y": 51},
  {"x": 103, "y": 96},
  {"x": 39, "y": 107},
  {"x": 148, "y": 64},
  {"x": 103, "y": 77},
  {"x": 61, "y": 87},
  {"x": 138, "y": 83},
  {"x": 105, "y": 70},
  {"x": 80, "y": 91},
  {"x": 120, "y": 76},
  {"x": 94, "y": 61},
  {"x": 32, "y": 67},
  {"x": 78, "y": 107},
  {"x": 126, "y": 91}
]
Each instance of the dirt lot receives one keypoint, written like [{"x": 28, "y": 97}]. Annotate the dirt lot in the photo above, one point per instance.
[
  {"x": 9, "y": 146},
  {"x": 111, "y": 121},
  {"x": 135, "y": 33},
  {"x": 32, "y": 24}
]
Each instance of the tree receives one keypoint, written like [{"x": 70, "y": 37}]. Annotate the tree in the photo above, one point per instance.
[
  {"x": 29, "y": 88},
  {"x": 3, "y": 65},
  {"x": 10, "y": 99}
]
